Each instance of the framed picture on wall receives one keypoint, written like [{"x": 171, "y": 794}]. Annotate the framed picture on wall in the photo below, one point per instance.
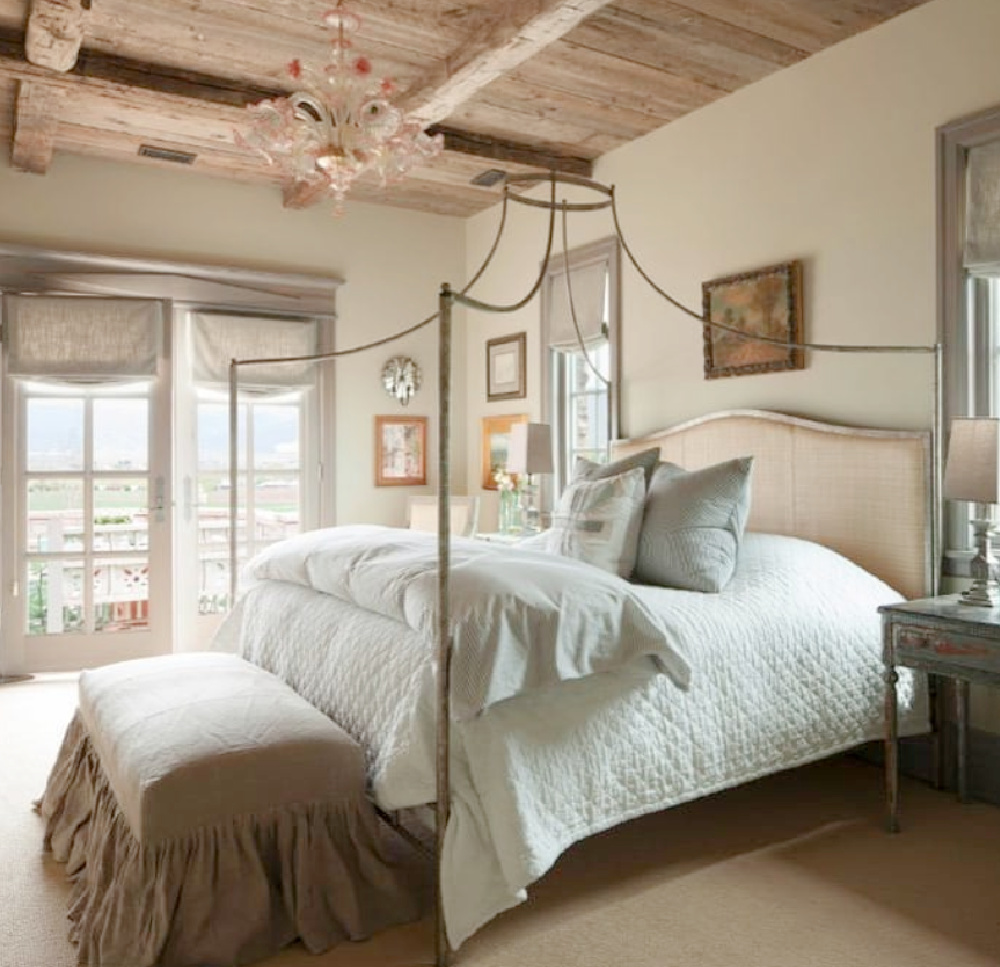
[
  {"x": 505, "y": 367},
  {"x": 765, "y": 302},
  {"x": 496, "y": 444},
  {"x": 400, "y": 451}
]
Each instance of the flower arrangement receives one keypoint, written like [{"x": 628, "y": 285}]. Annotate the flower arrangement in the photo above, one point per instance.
[{"x": 509, "y": 488}]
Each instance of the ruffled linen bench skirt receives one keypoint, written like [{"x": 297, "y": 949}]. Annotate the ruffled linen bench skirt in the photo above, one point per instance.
[{"x": 208, "y": 815}]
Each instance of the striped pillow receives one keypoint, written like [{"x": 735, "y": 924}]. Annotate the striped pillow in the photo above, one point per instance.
[{"x": 597, "y": 521}]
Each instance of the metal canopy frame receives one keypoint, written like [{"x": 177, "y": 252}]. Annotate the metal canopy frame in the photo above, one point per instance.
[{"x": 447, "y": 300}]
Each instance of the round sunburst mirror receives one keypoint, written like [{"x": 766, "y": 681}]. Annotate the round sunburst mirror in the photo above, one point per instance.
[{"x": 401, "y": 378}]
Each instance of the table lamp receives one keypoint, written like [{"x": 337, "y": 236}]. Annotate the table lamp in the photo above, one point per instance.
[
  {"x": 530, "y": 453},
  {"x": 973, "y": 473}
]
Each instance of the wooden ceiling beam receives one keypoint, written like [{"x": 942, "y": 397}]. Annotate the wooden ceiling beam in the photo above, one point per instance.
[
  {"x": 497, "y": 149},
  {"x": 36, "y": 119},
  {"x": 504, "y": 37},
  {"x": 55, "y": 32},
  {"x": 108, "y": 75}
]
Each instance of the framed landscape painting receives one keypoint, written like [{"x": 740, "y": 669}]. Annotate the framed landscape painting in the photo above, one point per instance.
[
  {"x": 400, "y": 451},
  {"x": 766, "y": 302}
]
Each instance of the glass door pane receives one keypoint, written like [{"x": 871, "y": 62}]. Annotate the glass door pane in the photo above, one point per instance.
[{"x": 93, "y": 531}]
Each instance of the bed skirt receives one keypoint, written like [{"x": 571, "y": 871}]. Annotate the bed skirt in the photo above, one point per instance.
[{"x": 230, "y": 893}]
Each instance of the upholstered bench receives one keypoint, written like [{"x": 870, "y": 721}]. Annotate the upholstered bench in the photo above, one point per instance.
[{"x": 208, "y": 815}]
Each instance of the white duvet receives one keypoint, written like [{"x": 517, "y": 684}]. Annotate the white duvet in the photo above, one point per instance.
[{"x": 785, "y": 667}]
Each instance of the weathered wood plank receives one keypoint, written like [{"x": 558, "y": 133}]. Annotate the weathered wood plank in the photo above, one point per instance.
[
  {"x": 239, "y": 40},
  {"x": 600, "y": 77},
  {"x": 8, "y": 100},
  {"x": 810, "y": 25},
  {"x": 504, "y": 40},
  {"x": 36, "y": 119},
  {"x": 676, "y": 40},
  {"x": 492, "y": 116},
  {"x": 55, "y": 31}
]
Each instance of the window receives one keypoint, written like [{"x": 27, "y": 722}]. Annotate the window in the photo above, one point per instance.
[
  {"x": 580, "y": 342},
  {"x": 269, "y": 510},
  {"x": 277, "y": 473},
  {"x": 969, "y": 286}
]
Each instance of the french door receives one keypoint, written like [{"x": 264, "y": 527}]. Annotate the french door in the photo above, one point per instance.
[{"x": 86, "y": 523}]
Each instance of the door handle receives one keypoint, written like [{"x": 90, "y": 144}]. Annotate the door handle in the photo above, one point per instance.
[{"x": 158, "y": 507}]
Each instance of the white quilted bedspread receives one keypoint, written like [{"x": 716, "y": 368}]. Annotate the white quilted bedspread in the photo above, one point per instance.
[{"x": 785, "y": 668}]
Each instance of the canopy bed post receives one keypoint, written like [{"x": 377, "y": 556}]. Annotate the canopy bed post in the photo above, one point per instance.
[
  {"x": 233, "y": 477},
  {"x": 443, "y": 807}
]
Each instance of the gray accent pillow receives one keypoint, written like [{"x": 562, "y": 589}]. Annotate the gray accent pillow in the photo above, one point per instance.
[
  {"x": 693, "y": 525},
  {"x": 598, "y": 521},
  {"x": 588, "y": 470}
]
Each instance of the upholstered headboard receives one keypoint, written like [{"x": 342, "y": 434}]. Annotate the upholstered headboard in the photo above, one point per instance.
[{"x": 866, "y": 493}]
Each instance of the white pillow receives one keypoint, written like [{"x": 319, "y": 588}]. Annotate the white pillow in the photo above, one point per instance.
[{"x": 598, "y": 521}]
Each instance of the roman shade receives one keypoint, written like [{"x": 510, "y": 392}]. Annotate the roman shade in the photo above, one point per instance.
[
  {"x": 218, "y": 339},
  {"x": 589, "y": 285},
  {"x": 982, "y": 210},
  {"x": 73, "y": 338}
]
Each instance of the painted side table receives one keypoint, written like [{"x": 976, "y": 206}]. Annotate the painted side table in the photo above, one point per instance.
[{"x": 942, "y": 637}]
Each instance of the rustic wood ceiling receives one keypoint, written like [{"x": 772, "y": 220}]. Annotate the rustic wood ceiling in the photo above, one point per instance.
[{"x": 514, "y": 84}]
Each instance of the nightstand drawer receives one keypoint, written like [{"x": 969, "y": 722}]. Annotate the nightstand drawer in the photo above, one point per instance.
[{"x": 931, "y": 648}]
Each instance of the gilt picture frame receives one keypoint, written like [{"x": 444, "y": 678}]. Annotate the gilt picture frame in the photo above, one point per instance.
[
  {"x": 400, "y": 451},
  {"x": 496, "y": 444},
  {"x": 766, "y": 301},
  {"x": 506, "y": 370}
]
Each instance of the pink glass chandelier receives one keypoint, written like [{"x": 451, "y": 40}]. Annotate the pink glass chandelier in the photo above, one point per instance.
[{"x": 341, "y": 124}]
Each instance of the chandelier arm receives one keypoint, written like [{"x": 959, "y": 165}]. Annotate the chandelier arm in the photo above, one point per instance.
[
  {"x": 572, "y": 305},
  {"x": 470, "y": 303},
  {"x": 303, "y": 99},
  {"x": 754, "y": 337}
]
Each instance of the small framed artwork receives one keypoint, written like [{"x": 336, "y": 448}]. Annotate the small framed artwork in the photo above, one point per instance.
[
  {"x": 766, "y": 302},
  {"x": 496, "y": 443},
  {"x": 505, "y": 367},
  {"x": 400, "y": 451}
]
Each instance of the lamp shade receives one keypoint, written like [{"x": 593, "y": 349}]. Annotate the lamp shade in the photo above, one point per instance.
[
  {"x": 530, "y": 448},
  {"x": 973, "y": 468}
]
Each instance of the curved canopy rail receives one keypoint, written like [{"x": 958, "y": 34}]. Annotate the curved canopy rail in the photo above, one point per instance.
[{"x": 514, "y": 192}]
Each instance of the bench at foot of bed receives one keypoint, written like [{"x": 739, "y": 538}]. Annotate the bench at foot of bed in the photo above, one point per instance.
[{"x": 209, "y": 815}]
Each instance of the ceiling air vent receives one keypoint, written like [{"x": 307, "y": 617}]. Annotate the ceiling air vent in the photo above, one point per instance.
[
  {"x": 488, "y": 178},
  {"x": 166, "y": 154}
]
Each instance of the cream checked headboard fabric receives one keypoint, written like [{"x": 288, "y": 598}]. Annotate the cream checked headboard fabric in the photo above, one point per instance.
[{"x": 866, "y": 493}]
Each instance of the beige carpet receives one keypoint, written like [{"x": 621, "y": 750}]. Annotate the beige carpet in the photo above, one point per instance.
[{"x": 792, "y": 871}]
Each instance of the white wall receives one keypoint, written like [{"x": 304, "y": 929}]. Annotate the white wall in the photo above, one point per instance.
[
  {"x": 831, "y": 161},
  {"x": 392, "y": 262}
]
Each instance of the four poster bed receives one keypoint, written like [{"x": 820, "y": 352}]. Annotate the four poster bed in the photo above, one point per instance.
[{"x": 783, "y": 667}]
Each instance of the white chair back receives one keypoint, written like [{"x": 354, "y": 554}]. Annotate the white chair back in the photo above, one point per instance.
[{"x": 423, "y": 515}]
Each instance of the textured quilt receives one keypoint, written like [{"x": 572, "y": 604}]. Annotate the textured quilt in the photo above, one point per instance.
[{"x": 784, "y": 667}]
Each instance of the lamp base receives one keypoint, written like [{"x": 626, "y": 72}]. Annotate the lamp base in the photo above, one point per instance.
[
  {"x": 981, "y": 597},
  {"x": 985, "y": 591}
]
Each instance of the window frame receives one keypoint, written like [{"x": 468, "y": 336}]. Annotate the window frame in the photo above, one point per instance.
[
  {"x": 964, "y": 315},
  {"x": 553, "y": 370}
]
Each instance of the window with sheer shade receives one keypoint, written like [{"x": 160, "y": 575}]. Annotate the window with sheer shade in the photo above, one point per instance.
[
  {"x": 580, "y": 357},
  {"x": 217, "y": 339},
  {"x": 76, "y": 338},
  {"x": 981, "y": 251},
  {"x": 969, "y": 290}
]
